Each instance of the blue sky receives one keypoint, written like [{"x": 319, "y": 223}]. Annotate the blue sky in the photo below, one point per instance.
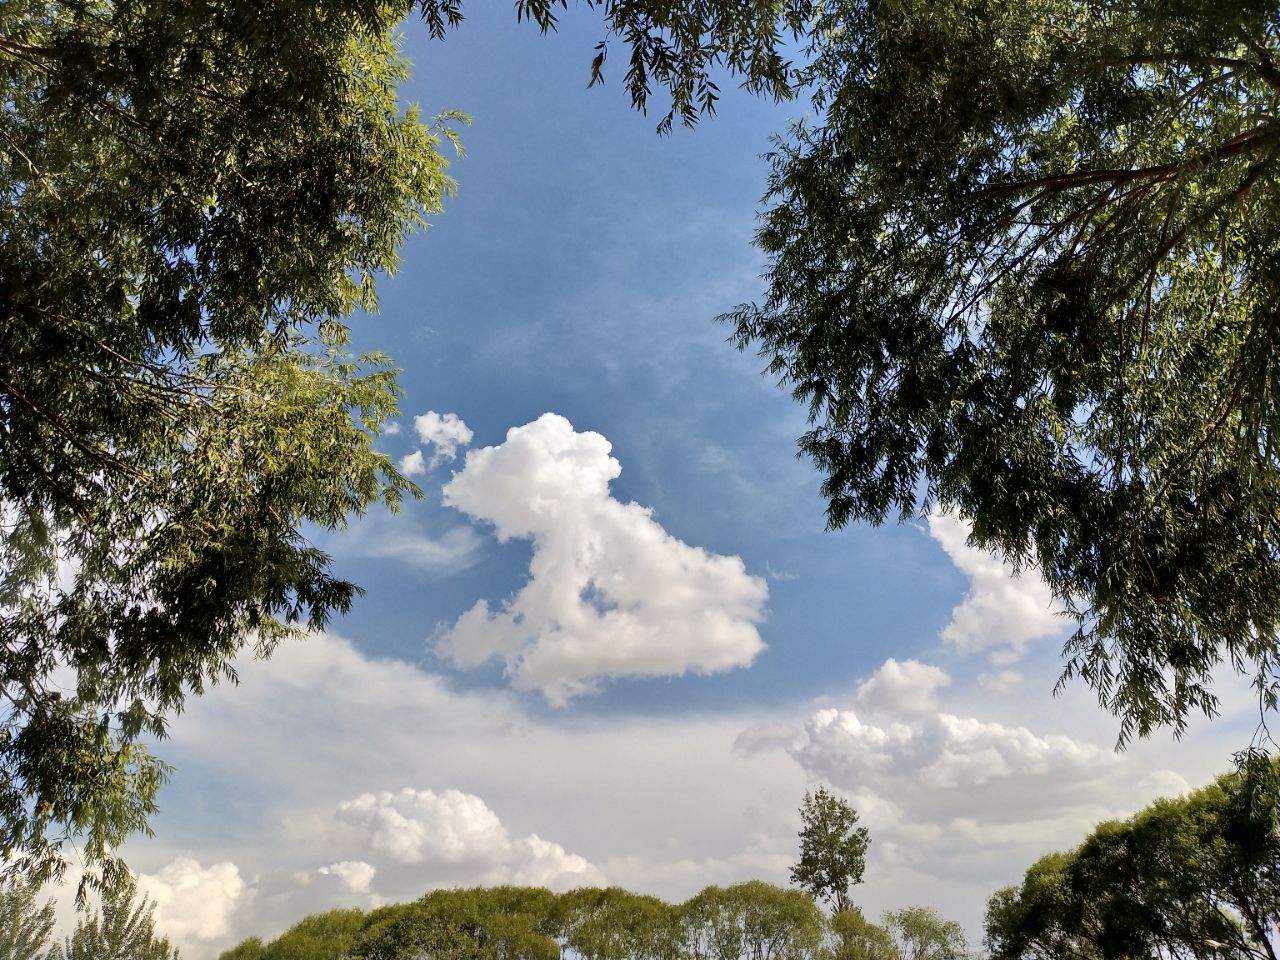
[{"x": 677, "y": 648}]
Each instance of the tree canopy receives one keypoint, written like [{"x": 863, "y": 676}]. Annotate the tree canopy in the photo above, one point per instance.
[
  {"x": 1190, "y": 877},
  {"x": 833, "y": 848},
  {"x": 196, "y": 197},
  {"x": 1023, "y": 265}
]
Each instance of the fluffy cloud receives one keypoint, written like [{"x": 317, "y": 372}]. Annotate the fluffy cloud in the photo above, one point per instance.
[
  {"x": 193, "y": 903},
  {"x": 909, "y": 688},
  {"x": 1004, "y": 610},
  {"x": 356, "y": 875},
  {"x": 610, "y": 592},
  {"x": 446, "y": 432},
  {"x": 412, "y": 465},
  {"x": 453, "y": 828}
]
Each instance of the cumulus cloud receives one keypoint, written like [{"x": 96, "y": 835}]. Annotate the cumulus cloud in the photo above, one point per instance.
[
  {"x": 1004, "y": 610},
  {"x": 412, "y": 465},
  {"x": 193, "y": 903},
  {"x": 446, "y": 432},
  {"x": 453, "y": 828},
  {"x": 356, "y": 875},
  {"x": 610, "y": 592},
  {"x": 909, "y": 688}
]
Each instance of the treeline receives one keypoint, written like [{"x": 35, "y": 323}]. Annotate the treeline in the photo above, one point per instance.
[
  {"x": 748, "y": 921},
  {"x": 1190, "y": 878}
]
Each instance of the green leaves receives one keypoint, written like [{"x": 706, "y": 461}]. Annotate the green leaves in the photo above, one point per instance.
[
  {"x": 1023, "y": 268},
  {"x": 1193, "y": 876},
  {"x": 833, "y": 848},
  {"x": 195, "y": 200}
]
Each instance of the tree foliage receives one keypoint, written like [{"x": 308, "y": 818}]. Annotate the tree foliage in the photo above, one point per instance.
[
  {"x": 1023, "y": 265},
  {"x": 1193, "y": 877},
  {"x": 122, "y": 928},
  {"x": 833, "y": 848},
  {"x": 196, "y": 197},
  {"x": 676, "y": 46},
  {"x": 25, "y": 924}
]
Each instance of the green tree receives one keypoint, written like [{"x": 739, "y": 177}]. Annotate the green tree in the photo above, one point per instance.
[
  {"x": 1023, "y": 266},
  {"x": 25, "y": 926},
  {"x": 918, "y": 933},
  {"x": 250, "y": 949},
  {"x": 196, "y": 197},
  {"x": 123, "y": 928},
  {"x": 751, "y": 921},
  {"x": 854, "y": 937},
  {"x": 1189, "y": 877},
  {"x": 614, "y": 924},
  {"x": 833, "y": 848},
  {"x": 321, "y": 936},
  {"x": 460, "y": 924}
]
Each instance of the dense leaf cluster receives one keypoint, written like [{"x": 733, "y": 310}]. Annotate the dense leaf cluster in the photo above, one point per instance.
[
  {"x": 1023, "y": 265},
  {"x": 1192, "y": 877},
  {"x": 194, "y": 197}
]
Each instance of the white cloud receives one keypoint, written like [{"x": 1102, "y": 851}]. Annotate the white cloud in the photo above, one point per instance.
[
  {"x": 412, "y": 465},
  {"x": 907, "y": 688},
  {"x": 610, "y": 592},
  {"x": 446, "y": 432},
  {"x": 1000, "y": 681},
  {"x": 356, "y": 875},
  {"x": 1004, "y": 610},
  {"x": 193, "y": 903},
  {"x": 400, "y": 537},
  {"x": 458, "y": 829},
  {"x": 391, "y": 428}
]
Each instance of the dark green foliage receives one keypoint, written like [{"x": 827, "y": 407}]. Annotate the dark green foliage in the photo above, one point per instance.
[
  {"x": 833, "y": 848},
  {"x": 677, "y": 46},
  {"x": 854, "y": 937},
  {"x": 251, "y": 949},
  {"x": 1197, "y": 876},
  {"x": 1025, "y": 266}
]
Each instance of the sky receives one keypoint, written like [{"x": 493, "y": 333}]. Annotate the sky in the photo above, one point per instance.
[{"x": 614, "y": 643}]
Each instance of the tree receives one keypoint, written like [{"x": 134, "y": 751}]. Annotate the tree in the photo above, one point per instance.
[
  {"x": 678, "y": 46},
  {"x": 918, "y": 933},
  {"x": 614, "y": 924},
  {"x": 751, "y": 921},
  {"x": 196, "y": 197},
  {"x": 321, "y": 936},
  {"x": 24, "y": 926},
  {"x": 833, "y": 848},
  {"x": 250, "y": 949},
  {"x": 1023, "y": 267},
  {"x": 122, "y": 929},
  {"x": 854, "y": 937},
  {"x": 1192, "y": 877}
]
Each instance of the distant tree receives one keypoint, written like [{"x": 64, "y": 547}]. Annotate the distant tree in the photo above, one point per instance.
[
  {"x": 320, "y": 936},
  {"x": 122, "y": 928},
  {"x": 464, "y": 924},
  {"x": 25, "y": 925},
  {"x": 250, "y": 949},
  {"x": 751, "y": 921},
  {"x": 614, "y": 924},
  {"x": 833, "y": 848},
  {"x": 854, "y": 937},
  {"x": 918, "y": 933},
  {"x": 1192, "y": 877}
]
